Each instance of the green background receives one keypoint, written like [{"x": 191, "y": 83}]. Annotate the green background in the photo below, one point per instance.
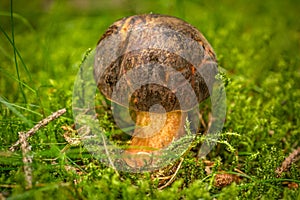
[{"x": 256, "y": 42}]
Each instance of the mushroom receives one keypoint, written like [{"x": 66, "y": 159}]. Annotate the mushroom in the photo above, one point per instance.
[{"x": 158, "y": 67}]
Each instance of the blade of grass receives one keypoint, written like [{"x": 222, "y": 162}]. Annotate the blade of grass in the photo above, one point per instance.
[
  {"x": 19, "y": 81},
  {"x": 15, "y": 111},
  {"x": 17, "y": 106},
  {"x": 19, "y": 17},
  {"x": 18, "y": 53},
  {"x": 4, "y": 53},
  {"x": 15, "y": 53}
]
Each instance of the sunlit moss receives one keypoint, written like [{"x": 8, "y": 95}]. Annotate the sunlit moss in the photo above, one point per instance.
[{"x": 257, "y": 43}]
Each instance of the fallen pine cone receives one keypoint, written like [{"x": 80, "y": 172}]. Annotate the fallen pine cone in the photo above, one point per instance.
[
  {"x": 222, "y": 180},
  {"x": 291, "y": 185}
]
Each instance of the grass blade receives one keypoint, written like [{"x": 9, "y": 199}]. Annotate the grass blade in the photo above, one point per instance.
[{"x": 15, "y": 111}]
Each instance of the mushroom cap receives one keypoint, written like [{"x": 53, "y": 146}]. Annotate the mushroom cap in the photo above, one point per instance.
[{"x": 151, "y": 59}]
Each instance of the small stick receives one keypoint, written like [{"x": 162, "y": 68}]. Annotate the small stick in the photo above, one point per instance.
[
  {"x": 210, "y": 119},
  {"x": 241, "y": 172},
  {"x": 202, "y": 120},
  {"x": 27, "y": 159},
  {"x": 41, "y": 123},
  {"x": 173, "y": 176},
  {"x": 165, "y": 177},
  {"x": 293, "y": 157},
  {"x": 8, "y": 186},
  {"x": 108, "y": 156}
]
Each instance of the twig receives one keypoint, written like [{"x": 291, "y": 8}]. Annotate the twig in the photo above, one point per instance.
[
  {"x": 202, "y": 121},
  {"x": 108, "y": 156},
  {"x": 293, "y": 157},
  {"x": 241, "y": 172},
  {"x": 104, "y": 144},
  {"x": 210, "y": 119},
  {"x": 165, "y": 177},
  {"x": 27, "y": 159},
  {"x": 107, "y": 153},
  {"x": 173, "y": 176},
  {"x": 42, "y": 123}
]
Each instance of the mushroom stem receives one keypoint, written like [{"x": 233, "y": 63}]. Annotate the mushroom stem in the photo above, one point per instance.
[{"x": 153, "y": 132}]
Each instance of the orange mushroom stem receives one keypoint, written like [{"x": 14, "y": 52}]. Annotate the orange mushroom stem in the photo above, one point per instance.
[{"x": 153, "y": 132}]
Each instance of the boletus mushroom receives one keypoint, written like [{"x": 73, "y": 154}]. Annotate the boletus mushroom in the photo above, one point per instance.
[{"x": 158, "y": 67}]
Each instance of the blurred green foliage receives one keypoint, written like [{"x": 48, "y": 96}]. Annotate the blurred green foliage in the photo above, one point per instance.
[{"x": 257, "y": 43}]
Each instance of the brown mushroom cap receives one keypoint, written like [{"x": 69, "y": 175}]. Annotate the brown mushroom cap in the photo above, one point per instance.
[{"x": 145, "y": 60}]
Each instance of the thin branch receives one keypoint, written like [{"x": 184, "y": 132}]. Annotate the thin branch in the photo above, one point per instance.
[
  {"x": 42, "y": 123},
  {"x": 108, "y": 156},
  {"x": 202, "y": 120},
  {"x": 210, "y": 120},
  {"x": 173, "y": 176},
  {"x": 27, "y": 159},
  {"x": 293, "y": 157}
]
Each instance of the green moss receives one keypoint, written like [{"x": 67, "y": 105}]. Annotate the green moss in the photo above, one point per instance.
[{"x": 257, "y": 45}]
